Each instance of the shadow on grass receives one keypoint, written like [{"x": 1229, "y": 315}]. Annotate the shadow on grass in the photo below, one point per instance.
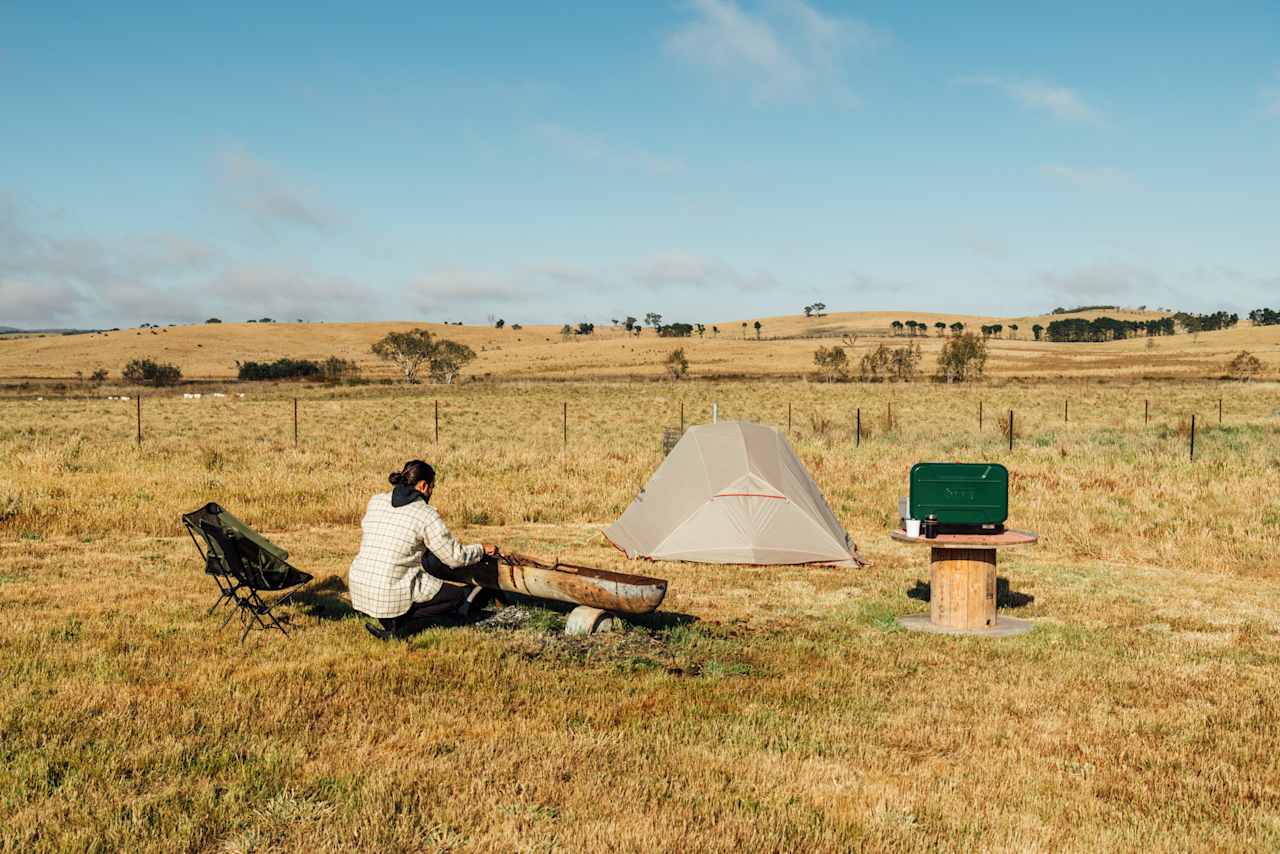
[
  {"x": 547, "y": 616},
  {"x": 325, "y": 600},
  {"x": 1005, "y": 598}
]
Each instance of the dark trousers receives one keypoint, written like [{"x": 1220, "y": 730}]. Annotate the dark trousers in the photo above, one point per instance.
[{"x": 450, "y": 596}]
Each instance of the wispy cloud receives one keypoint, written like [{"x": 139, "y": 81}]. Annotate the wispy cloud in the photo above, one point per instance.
[
  {"x": 596, "y": 150},
  {"x": 263, "y": 191},
  {"x": 690, "y": 270},
  {"x": 1094, "y": 178},
  {"x": 783, "y": 51},
  {"x": 1061, "y": 102},
  {"x": 553, "y": 284},
  {"x": 48, "y": 279},
  {"x": 1112, "y": 280}
]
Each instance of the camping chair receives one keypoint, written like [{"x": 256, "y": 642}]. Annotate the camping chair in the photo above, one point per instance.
[{"x": 242, "y": 562}]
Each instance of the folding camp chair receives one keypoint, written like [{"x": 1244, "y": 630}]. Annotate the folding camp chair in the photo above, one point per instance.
[{"x": 242, "y": 562}]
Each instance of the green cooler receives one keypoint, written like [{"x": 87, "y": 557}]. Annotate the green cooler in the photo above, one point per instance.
[{"x": 963, "y": 497}]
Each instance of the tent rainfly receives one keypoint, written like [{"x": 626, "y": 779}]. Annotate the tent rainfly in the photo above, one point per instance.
[{"x": 733, "y": 492}]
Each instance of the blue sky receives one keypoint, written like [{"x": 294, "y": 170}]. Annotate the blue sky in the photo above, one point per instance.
[{"x": 707, "y": 159}]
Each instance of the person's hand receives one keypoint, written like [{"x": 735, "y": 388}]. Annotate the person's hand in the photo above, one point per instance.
[{"x": 490, "y": 549}]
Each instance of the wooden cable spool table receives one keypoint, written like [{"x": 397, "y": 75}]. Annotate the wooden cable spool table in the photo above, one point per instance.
[{"x": 962, "y": 584}]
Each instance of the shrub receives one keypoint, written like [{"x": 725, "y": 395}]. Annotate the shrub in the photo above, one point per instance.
[
  {"x": 1245, "y": 366},
  {"x": 962, "y": 358},
  {"x": 280, "y": 369},
  {"x": 334, "y": 370},
  {"x": 899, "y": 364},
  {"x": 148, "y": 372},
  {"x": 677, "y": 364},
  {"x": 833, "y": 363},
  {"x": 214, "y": 320}
]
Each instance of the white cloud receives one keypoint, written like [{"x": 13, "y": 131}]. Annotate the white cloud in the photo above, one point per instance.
[
  {"x": 1063, "y": 103},
  {"x": 258, "y": 188},
  {"x": 1095, "y": 178},
  {"x": 282, "y": 291},
  {"x": 596, "y": 150},
  {"x": 57, "y": 280},
  {"x": 685, "y": 269},
  {"x": 784, "y": 51},
  {"x": 26, "y": 304},
  {"x": 551, "y": 285},
  {"x": 444, "y": 288},
  {"x": 1107, "y": 281}
]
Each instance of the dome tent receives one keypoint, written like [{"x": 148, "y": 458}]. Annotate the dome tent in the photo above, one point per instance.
[{"x": 733, "y": 492}]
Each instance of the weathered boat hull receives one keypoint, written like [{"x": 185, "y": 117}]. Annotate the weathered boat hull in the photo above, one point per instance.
[{"x": 565, "y": 582}]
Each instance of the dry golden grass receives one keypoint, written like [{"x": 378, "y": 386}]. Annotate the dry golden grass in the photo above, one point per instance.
[
  {"x": 762, "y": 709},
  {"x": 204, "y": 352}
]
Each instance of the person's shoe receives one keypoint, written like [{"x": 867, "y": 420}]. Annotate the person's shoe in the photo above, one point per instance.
[
  {"x": 380, "y": 634},
  {"x": 474, "y": 595}
]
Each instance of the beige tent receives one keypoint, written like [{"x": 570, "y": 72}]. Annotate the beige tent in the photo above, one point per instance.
[{"x": 732, "y": 492}]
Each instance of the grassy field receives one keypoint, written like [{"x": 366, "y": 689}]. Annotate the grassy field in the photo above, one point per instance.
[
  {"x": 760, "y": 709},
  {"x": 539, "y": 352}
]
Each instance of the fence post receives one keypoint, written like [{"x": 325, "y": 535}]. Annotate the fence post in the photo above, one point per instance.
[
  {"x": 682, "y": 418},
  {"x": 1065, "y": 412},
  {"x": 1011, "y": 429},
  {"x": 979, "y": 415},
  {"x": 437, "y": 422},
  {"x": 1193, "y": 438},
  {"x": 139, "y": 407},
  {"x": 889, "y": 413},
  {"x": 857, "y": 442},
  {"x": 1146, "y": 412},
  {"x": 565, "y": 419},
  {"x": 295, "y": 422},
  {"x": 1219, "y": 412},
  {"x": 788, "y": 418}
]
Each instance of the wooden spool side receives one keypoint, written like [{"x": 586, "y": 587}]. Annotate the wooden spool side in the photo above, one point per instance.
[{"x": 962, "y": 588}]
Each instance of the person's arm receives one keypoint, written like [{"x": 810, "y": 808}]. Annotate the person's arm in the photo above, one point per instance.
[{"x": 451, "y": 553}]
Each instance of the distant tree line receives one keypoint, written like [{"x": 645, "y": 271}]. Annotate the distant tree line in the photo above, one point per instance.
[
  {"x": 1077, "y": 329},
  {"x": 1264, "y": 317},
  {"x": 1206, "y": 322}
]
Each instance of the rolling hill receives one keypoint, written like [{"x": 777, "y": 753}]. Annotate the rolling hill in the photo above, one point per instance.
[{"x": 540, "y": 352}]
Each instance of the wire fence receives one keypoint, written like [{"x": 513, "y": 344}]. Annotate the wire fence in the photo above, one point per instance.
[{"x": 889, "y": 414}]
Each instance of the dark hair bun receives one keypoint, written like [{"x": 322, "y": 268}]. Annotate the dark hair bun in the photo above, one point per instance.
[{"x": 413, "y": 472}]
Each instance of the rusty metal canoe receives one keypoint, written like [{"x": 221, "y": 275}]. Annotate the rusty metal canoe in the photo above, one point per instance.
[{"x": 568, "y": 582}]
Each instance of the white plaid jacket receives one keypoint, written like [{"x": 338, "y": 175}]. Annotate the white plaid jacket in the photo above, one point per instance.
[{"x": 387, "y": 577}]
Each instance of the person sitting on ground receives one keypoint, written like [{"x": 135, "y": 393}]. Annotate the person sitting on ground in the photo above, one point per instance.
[{"x": 407, "y": 555}]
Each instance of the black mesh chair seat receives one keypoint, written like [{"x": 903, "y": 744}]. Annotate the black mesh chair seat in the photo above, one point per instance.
[{"x": 243, "y": 563}]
